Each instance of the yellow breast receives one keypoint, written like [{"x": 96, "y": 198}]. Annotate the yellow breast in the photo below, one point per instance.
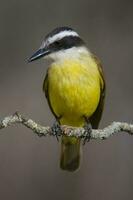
[{"x": 74, "y": 90}]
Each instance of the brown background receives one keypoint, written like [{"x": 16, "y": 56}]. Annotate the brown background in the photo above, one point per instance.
[{"x": 29, "y": 166}]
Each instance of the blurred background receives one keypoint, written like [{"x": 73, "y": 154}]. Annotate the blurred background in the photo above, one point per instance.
[{"x": 29, "y": 166}]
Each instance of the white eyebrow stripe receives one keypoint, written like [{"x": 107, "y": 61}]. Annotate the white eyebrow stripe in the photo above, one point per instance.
[{"x": 61, "y": 35}]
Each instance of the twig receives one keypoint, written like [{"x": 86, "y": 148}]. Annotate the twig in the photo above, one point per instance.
[{"x": 114, "y": 128}]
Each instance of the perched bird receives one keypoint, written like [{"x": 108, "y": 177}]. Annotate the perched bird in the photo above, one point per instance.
[{"x": 74, "y": 87}]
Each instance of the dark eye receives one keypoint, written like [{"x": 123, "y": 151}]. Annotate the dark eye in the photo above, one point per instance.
[
  {"x": 57, "y": 42},
  {"x": 57, "y": 45}
]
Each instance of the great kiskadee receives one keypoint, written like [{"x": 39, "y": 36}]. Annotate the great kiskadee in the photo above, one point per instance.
[{"x": 74, "y": 87}]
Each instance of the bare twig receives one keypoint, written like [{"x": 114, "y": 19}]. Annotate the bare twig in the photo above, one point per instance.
[{"x": 114, "y": 128}]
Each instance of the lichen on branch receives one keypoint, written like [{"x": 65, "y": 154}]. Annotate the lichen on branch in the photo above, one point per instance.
[{"x": 113, "y": 129}]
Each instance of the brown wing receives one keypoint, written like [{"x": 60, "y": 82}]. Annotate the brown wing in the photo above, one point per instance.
[
  {"x": 45, "y": 89},
  {"x": 96, "y": 117}
]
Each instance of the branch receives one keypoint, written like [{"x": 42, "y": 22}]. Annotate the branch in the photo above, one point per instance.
[{"x": 114, "y": 128}]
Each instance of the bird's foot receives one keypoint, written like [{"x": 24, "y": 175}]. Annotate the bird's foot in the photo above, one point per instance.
[
  {"x": 56, "y": 129},
  {"x": 88, "y": 130}
]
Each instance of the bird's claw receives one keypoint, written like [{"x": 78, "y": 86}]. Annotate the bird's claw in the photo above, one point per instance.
[
  {"x": 88, "y": 130},
  {"x": 56, "y": 130}
]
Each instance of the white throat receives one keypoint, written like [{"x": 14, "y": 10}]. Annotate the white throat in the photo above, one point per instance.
[{"x": 72, "y": 53}]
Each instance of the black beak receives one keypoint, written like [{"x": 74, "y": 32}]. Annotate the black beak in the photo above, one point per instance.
[{"x": 38, "y": 54}]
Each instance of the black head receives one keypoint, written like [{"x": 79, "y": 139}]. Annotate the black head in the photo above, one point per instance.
[{"x": 59, "y": 39}]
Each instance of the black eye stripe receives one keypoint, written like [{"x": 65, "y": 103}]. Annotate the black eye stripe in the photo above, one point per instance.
[
  {"x": 66, "y": 43},
  {"x": 57, "y": 42}
]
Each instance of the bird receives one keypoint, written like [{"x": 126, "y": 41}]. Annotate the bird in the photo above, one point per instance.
[{"x": 74, "y": 86}]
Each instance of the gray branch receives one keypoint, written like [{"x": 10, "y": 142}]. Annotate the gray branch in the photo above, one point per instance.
[{"x": 112, "y": 129}]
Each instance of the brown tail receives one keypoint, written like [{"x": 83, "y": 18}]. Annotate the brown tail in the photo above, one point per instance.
[{"x": 70, "y": 153}]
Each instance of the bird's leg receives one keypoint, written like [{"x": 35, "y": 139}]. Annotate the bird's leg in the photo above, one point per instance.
[
  {"x": 88, "y": 130},
  {"x": 56, "y": 129}
]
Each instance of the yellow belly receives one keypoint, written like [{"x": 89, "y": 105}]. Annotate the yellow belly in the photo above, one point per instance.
[{"x": 74, "y": 90}]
